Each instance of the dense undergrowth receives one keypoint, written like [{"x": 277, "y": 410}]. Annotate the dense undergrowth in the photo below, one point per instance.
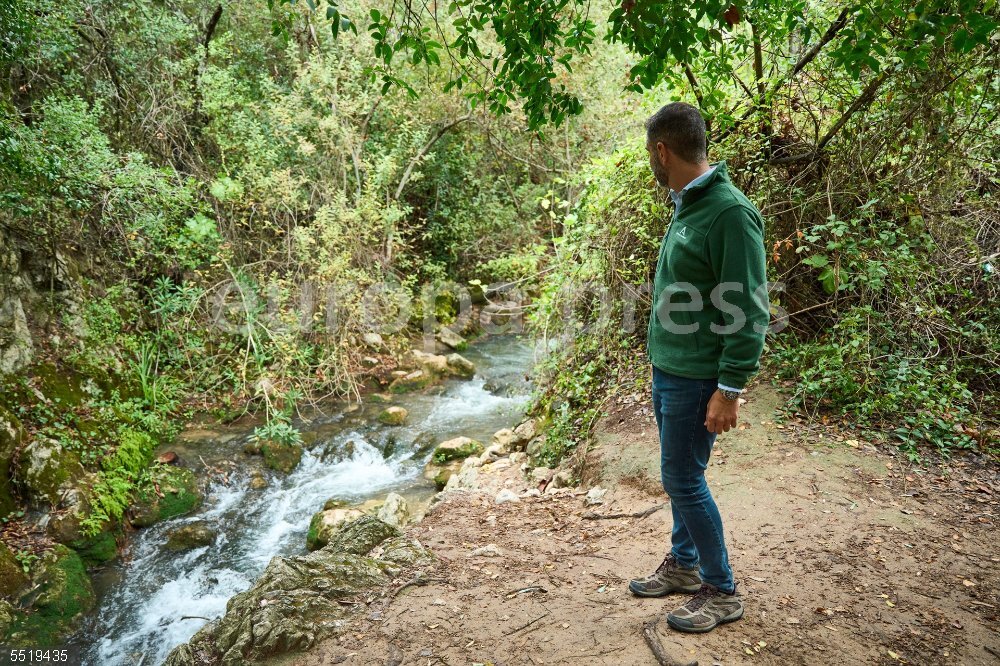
[{"x": 883, "y": 261}]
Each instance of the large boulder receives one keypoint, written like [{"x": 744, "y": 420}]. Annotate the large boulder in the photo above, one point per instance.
[
  {"x": 59, "y": 597},
  {"x": 47, "y": 471},
  {"x": 12, "y": 576},
  {"x": 523, "y": 434},
  {"x": 178, "y": 495},
  {"x": 458, "y": 448},
  {"x": 295, "y": 602}
]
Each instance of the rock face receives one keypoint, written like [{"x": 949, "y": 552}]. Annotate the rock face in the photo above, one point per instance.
[
  {"x": 280, "y": 456},
  {"x": 12, "y": 577},
  {"x": 11, "y": 437},
  {"x": 326, "y": 523},
  {"x": 181, "y": 496},
  {"x": 294, "y": 603},
  {"x": 60, "y": 594},
  {"x": 456, "y": 449},
  {"x": 47, "y": 471},
  {"x": 393, "y": 416}
]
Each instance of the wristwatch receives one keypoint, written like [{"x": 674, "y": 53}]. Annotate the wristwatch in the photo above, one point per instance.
[{"x": 730, "y": 395}]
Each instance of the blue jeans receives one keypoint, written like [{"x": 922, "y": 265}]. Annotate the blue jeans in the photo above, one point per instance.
[{"x": 685, "y": 446}]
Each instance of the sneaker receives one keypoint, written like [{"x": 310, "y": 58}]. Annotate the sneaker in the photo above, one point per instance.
[
  {"x": 669, "y": 577},
  {"x": 707, "y": 609}
]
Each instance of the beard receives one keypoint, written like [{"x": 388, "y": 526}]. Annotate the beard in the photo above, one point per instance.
[{"x": 660, "y": 174}]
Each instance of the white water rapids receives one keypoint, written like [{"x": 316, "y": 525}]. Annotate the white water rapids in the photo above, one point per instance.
[{"x": 158, "y": 599}]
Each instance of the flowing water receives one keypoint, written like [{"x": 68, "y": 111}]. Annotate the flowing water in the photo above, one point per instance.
[{"x": 158, "y": 599}]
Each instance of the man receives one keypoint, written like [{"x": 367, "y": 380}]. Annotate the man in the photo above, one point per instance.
[{"x": 706, "y": 334}]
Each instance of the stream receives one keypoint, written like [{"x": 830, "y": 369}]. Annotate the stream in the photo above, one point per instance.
[{"x": 155, "y": 599}]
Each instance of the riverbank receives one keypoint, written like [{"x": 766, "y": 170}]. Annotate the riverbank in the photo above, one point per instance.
[
  {"x": 160, "y": 594},
  {"x": 846, "y": 553}
]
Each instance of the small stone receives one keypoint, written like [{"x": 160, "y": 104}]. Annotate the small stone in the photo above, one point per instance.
[
  {"x": 503, "y": 439},
  {"x": 489, "y": 550},
  {"x": 535, "y": 446},
  {"x": 373, "y": 340},
  {"x": 562, "y": 479},
  {"x": 168, "y": 458},
  {"x": 507, "y": 495},
  {"x": 540, "y": 474},
  {"x": 258, "y": 482},
  {"x": 534, "y": 492},
  {"x": 523, "y": 434},
  {"x": 595, "y": 496},
  {"x": 369, "y": 361},
  {"x": 394, "y": 511},
  {"x": 393, "y": 416},
  {"x": 518, "y": 457}
]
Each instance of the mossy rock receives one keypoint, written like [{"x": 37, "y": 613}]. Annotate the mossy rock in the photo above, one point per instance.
[
  {"x": 413, "y": 381},
  {"x": 181, "y": 496},
  {"x": 46, "y": 470},
  {"x": 393, "y": 416},
  {"x": 458, "y": 448},
  {"x": 96, "y": 549},
  {"x": 296, "y": 601},
  {"x": 441, "y": 478},
  {"x": 12, "y": 577},
  {"x": 61, "y": 594},
  {"x": 460, "y": 366},
  {"x": 62, "y": 386},
  {"x": 11, "y": 437},
  {"x": 361, "y": 535},
  {"x": 325, "y": 523},
  {"x": 281, "y": 457},
  {"x": 192, "y": 535}
]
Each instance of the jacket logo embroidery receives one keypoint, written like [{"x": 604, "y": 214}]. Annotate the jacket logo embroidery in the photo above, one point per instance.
[{"x": 683, "y": 232}]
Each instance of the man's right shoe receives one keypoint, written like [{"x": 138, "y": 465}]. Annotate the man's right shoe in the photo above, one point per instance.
[{"x": 668, "y": 578}]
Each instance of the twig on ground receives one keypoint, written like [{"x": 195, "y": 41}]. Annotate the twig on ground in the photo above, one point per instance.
[
  {"x": 419, "y": 579},
  {"x": 590, "y": 515},
  {"x": 649, "y": 633},
  {"x": 525, "y": 626}
]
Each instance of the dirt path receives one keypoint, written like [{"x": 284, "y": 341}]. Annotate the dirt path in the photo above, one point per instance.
[{"x": 845, "y": 555}]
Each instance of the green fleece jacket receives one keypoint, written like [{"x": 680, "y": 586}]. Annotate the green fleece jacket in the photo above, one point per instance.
[{"x": 710, "y": 305}]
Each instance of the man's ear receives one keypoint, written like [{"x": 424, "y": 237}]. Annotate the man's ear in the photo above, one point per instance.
[{"x": 662, "y": 153}]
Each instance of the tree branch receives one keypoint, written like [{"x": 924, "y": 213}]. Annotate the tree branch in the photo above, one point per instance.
[
  {"x": 424, "y": 150},
  {"x": 866, "y": 97}
]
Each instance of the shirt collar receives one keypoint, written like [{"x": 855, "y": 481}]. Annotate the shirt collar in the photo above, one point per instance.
[{"x": 678, "y": 197}]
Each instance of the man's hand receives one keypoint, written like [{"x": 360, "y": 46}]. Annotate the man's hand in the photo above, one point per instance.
[{"x": 721, "y": 414}]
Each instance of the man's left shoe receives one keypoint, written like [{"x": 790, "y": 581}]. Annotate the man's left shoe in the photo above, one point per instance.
[{"x": 706, "y": 610}]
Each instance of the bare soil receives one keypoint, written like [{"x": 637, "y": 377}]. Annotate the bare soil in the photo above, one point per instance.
[{"x": 845, "y": 553}]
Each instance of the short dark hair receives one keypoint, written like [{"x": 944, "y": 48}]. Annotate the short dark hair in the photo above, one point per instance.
[{"x": 680, "y": 128}]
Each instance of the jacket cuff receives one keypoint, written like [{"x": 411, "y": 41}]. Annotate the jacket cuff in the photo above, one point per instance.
[{"x": 732, "y": 381}]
